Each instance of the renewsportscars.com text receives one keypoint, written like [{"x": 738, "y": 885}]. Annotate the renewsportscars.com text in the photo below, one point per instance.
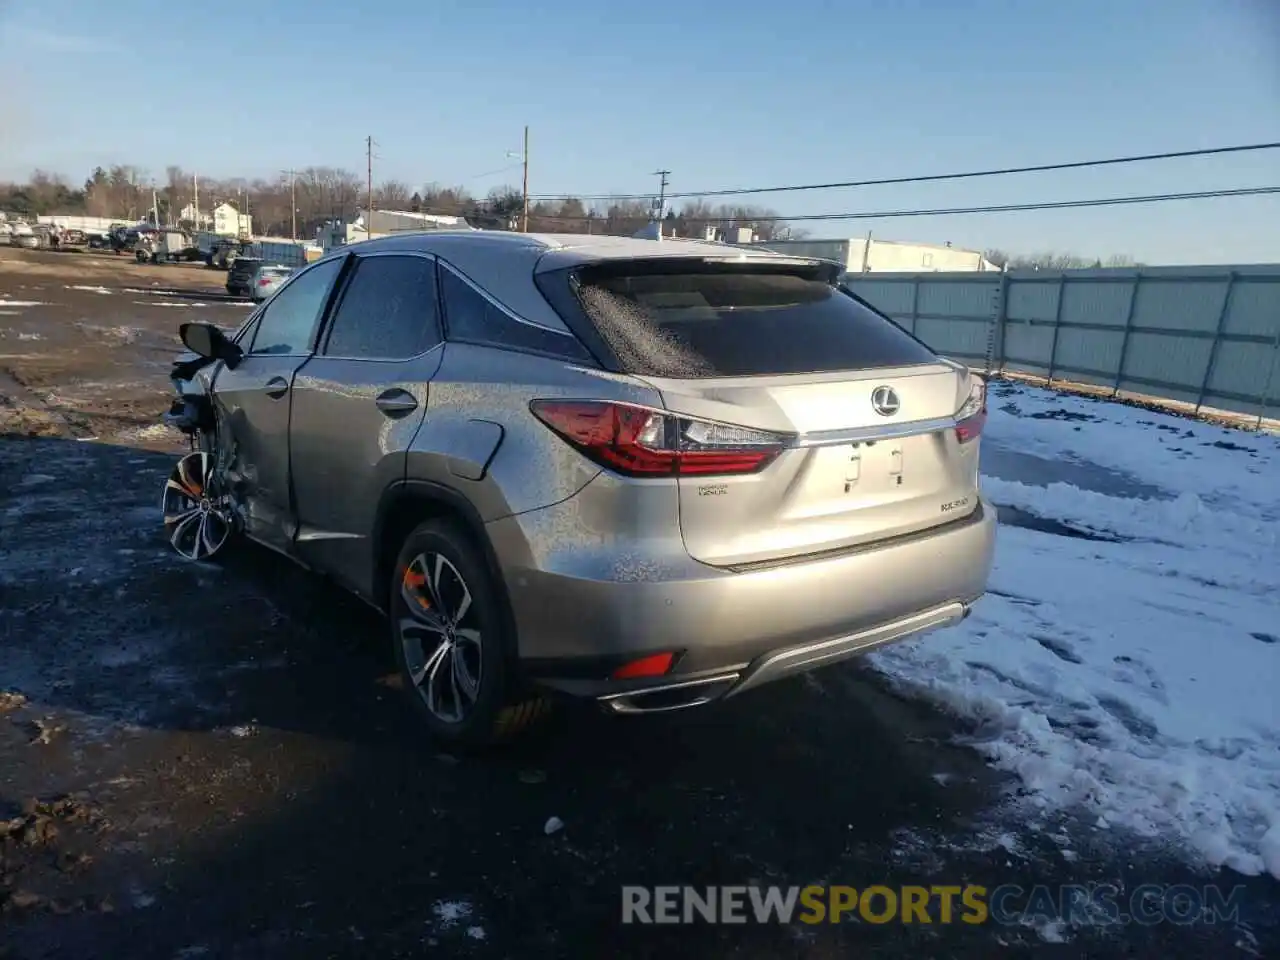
[{"x": 1007, "y": 905}]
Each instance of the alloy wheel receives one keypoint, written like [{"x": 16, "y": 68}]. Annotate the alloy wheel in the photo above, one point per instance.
[
  {"x": 197, "y": 515},
  {"x": 440, "y": 637}
]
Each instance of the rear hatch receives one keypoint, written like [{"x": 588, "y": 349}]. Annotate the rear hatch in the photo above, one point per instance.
[
  {"x": 242, "y": 270},
  {"x": 859, "y": 416}
]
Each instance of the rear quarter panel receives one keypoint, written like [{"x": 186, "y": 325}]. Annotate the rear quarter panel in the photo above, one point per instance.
[{"x": 525, "y": 466}]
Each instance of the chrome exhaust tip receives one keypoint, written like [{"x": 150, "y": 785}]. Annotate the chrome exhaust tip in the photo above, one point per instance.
[{"x": 671, "y": 696}]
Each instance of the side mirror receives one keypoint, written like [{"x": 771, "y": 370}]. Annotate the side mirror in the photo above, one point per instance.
[{"x": 208, "y": 341}]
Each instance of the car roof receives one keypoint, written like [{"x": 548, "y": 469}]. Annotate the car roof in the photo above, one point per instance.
[
  {"x": 561, "y": 249},
  {"x": 503, "y": 264}
]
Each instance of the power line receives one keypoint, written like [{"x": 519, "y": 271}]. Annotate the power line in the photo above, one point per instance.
[
  {"x": 493, "y": 173},
  {"x": 966, "y": 175},
  {"x": 990, "y": 208}
]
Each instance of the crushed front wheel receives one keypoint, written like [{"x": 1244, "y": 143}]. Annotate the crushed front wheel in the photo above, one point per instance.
[{"x": 198, "y": 516}]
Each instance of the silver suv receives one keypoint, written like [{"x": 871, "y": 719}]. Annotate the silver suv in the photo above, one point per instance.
[{"x": 653, "y": 473}]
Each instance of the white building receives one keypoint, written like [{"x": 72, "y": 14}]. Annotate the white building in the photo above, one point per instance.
[
  {"x": 226, "y": 221},
  {"x": 230, "y": 222},
  {"x": 866, "y": 255}
]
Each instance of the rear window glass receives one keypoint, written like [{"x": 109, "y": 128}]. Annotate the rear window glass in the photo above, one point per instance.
[{"x": 739, "y": 323}]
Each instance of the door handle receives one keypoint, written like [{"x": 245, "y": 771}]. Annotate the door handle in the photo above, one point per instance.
[
  {"x": 276, "y": 388},
  {"x": 397, "y": 401}
]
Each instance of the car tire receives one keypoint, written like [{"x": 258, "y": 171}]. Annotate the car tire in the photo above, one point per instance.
[{"x": 438, "y": 566}]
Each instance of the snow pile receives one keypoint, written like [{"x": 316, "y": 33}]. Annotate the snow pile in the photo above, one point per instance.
[{"x": 1134, "y": 676}]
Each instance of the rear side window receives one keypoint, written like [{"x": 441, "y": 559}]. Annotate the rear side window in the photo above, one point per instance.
[
  {"x": 472, "y": 318},
  {"x": 737, "y": 322},
  {"x": 389, "y": 310}
]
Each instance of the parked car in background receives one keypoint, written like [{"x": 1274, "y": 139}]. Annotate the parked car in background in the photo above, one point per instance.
[
  {"x": 268, "y": 280},
  {"x": 38, "y": 237},
  {"x": 240, "y": 276},
  {"x": 69, "y": 238},
  {"x": 648, "y": 473}
]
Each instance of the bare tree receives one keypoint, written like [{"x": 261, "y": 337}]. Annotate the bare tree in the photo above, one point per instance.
[
  {"x": 446, "y": 201},
  {"x": 329, "y": 193},
  {"x": 178, "y": 192},
  {"x": 1055, "y": 261},
  {"x": 392, "y": 195}
]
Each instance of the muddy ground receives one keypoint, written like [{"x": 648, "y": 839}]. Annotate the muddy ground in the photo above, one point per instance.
[
  {"x": 86, "y": 340},
  {"x": 213, "y": 760}
]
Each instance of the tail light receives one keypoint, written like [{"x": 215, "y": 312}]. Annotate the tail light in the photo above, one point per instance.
[
  {"x": 639, "y": 442},
  {"x": 654, "y": 665},
  {"x": 264, "y": 282},
  {"x": 972, "y": 415}
]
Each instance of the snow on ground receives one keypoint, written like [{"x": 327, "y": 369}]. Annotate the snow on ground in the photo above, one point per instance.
[{"x": 1126, "y": 663}]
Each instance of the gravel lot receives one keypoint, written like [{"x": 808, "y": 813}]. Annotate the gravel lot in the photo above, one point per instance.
[{"x": 212, "y": 760}]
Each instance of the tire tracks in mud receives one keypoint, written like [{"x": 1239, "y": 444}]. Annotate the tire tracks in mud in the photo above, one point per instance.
[{"x": 23, "y": 412}]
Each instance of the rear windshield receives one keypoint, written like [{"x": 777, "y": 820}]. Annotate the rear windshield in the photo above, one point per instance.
[{"x": 735, "y": 322}]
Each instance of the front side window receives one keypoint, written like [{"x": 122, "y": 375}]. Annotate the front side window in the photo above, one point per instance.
[
  {"x": 288, "y": 324},
  {"x": 389, "y": 310}
]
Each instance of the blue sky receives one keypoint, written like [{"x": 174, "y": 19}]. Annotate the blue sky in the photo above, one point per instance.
[{"x": 746, "y": 93}]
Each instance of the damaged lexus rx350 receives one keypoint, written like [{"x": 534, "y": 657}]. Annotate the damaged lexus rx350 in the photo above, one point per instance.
[{"x": 652, "y": 473}]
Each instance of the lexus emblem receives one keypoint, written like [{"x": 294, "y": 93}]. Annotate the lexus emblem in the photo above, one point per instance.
[{"x": 884, "y": 400}]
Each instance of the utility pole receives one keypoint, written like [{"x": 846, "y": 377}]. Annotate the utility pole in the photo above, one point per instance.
[
  {"x": 524, "y": 225},
  {"x": 368, "y": 149},
  {"x": 662, "y": 193},
  {"x": 195, "y": 200},
  {"x": 293, "y": 203}
]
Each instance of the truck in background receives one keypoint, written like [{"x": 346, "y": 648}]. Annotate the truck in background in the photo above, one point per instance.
[{"x": 286, "y": 253}]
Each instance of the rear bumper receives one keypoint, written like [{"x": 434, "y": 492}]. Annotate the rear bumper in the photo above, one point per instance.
[
  {"x": 696, "y": 691},
  {"x": 734, "y": 631}
]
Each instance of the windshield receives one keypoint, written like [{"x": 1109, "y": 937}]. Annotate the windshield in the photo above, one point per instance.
[{"x": 701, "y": 322}]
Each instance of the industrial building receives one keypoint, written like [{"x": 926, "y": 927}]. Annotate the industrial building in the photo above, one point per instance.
[
  {"x": 867, "y": 255},
  {"x": 379, "y": 223}
]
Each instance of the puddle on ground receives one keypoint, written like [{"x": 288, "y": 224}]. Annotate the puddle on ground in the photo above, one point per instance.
[{"x": 1022, "y": 467}]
